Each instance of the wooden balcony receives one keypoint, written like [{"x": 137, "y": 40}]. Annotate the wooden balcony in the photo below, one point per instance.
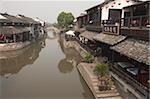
[
  {"x": 137, "y": 26},
  {"x": 129, "y": 79}
]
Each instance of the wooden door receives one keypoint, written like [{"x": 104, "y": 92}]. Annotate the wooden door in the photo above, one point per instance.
[{"x": 114, "y": 15}]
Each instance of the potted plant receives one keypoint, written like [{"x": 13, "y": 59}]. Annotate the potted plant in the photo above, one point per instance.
[{"x": 101, "y": 70}]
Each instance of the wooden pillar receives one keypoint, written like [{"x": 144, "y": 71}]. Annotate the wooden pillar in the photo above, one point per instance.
[
  {"x": 88, "y": 18},
  {"x": 14, "y": 37},
  {"x": 99, "y": 13},
  {"x": 131, "y": 17}
]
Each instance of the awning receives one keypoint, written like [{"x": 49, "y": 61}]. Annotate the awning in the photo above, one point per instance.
[
  {"x": 133, "y": 71},
  {"x": 70, "y": 32},
  {"x": 135, "y": 49},
  {"x": 125, "y": 64},
  {"x": 88, "y": 35},
  {"x": 109, "y": 38}
]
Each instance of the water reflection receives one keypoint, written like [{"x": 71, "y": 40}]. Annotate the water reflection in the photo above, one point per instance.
[
  {"x": 52, "y": 70},
  {"x": 51, "y": 35},
  {"x": 72, "y": 58},
  {"x": 67, "y": 64},
  {"x": 13, "y": 61}
]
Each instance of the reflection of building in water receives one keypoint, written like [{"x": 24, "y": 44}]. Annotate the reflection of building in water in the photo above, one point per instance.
[
  {"x": 13, "y": 61},
  {"x": 72, "y": 58}
]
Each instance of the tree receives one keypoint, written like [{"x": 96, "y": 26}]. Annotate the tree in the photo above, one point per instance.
[
  {"x": 105, "y": 82},
  {"x": 65, "y": 19},
  {"x": 88, "y": 58},
  {"x": 101, "y": 70}
]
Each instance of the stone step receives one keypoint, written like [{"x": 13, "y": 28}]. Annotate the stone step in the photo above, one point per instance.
[
  {"x": 101, "y": 92},
  {"x": 95, "y": 80},
  {"x": 95, "y": 83},
  {"x": 105, "y": 95},
  {"x": 115, "y": 97},
  {"x": 96, "y": 87}
]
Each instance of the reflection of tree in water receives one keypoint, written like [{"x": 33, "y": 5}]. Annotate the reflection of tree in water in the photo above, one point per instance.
[
  {"x": 65, "y": 66},
  {"x": 14, "y": 61},
  {"x": 72, "y": 58}
]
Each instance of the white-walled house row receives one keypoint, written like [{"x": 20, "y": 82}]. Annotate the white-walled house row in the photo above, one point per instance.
[{"x": 115, "y": 6}]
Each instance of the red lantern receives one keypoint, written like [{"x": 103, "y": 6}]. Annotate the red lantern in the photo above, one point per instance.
[
  {"x": 114, "y": 2},
  {"x": 112, "y": 6}
]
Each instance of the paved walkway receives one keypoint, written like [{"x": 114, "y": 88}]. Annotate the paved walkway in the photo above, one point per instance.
[{"x": 86, "y": 70}]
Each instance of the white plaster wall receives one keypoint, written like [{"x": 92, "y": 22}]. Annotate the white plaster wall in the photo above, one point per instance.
[
  {"x": 2, "y": 17},
  {"x": 105, "y": 10}
]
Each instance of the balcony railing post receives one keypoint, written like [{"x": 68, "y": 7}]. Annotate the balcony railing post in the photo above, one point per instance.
[
  {"x": 129, "y": 21},
  {"x": 140, "y": 24}
]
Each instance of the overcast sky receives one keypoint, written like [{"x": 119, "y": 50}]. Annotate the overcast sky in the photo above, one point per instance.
[{"x": 44, "y": 9}]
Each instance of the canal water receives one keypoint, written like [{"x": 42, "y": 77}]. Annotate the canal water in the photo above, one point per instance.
[{"x": 43, "y": 70}]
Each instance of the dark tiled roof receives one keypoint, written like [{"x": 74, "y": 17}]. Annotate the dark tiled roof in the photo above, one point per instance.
[
  {"x": 4, "y": 19},
  {"x": 27, "y": 19},
  {"x": 12, "y": 18},
  {"x": 89, "y": 35},
  {"x": 109, "y": 38},
  {"x": 80, "y": 30},
  {"x": 135, "y": 49},
  {"x": 11, "y": 30},
  {"x": 137, "y": 4}
]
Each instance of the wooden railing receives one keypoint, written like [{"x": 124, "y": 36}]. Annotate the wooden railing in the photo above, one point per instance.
[
  {"x": 136, "y": 21},
  {"x": 113, "y": 29},
  {"x": 110, "y": 22}
]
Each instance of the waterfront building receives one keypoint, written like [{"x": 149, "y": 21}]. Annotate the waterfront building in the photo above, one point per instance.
[
  {"x": 12, "y": 38},
  {"x": 33, "y": 26},
  {"x": 82, "y": 20},
  {"x": 123, "y": 41},
  {"x": 41, "y": 26},
  {"x": 94, "y": 18},
  {"x": 19, "y": 31}
]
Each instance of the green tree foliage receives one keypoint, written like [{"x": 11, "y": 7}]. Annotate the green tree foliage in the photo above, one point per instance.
[
  {"x": 101, "y": 69},
  {"x": 105, "y": 82},
  {"x": 65, "y": 19},
  {"x": 88, "y": 58}
]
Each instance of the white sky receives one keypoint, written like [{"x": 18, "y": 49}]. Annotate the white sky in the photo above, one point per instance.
[{"x": 47, "y": 10}]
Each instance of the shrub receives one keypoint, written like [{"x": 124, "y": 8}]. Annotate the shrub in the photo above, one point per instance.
[
  {"x": 88, "y": 58},
  {"x": 101, "y": 69}
]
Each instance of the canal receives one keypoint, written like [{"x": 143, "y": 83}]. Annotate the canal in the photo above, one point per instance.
[{"x": 43, "y": 70}]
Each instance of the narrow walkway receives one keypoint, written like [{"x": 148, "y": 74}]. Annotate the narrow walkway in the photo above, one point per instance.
[{"x": 92, "y": 81}]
